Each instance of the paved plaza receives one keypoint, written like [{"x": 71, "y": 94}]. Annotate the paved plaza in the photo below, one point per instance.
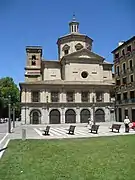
[
  {"x": 60, "y": 131},
  {"x": 57, "y": 131}
]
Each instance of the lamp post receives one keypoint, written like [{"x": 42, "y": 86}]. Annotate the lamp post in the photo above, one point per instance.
[
  {"x": 9, "y": 114},
  {"x": 25, "y": 106},
  {"x": 93, "y": 106},
  {"x": 47, "y": 102},
  {"x": 13, "y": 116}
]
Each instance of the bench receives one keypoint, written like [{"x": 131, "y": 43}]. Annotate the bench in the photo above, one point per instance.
[
  {"x": 94, "y": 128},
  {"x": 116, "y": 127},
  {"x": 46, "y": 131},
  {"x": 71, "y": 130}
]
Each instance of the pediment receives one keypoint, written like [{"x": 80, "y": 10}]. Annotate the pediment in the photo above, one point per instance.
[{"x": 83, "y": 53}]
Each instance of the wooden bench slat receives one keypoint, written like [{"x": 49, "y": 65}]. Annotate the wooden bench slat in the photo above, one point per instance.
[
  {"x": 71, "y": 129},
  {"x": 46, "y": 131},
  {"x": 94, "y": 128},
  {"x": 116, "y": 127}
]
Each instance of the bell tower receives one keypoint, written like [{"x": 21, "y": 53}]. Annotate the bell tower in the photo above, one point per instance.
[{"x": 33, "y": 63}]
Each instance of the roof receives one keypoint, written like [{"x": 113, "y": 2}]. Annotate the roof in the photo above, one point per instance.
[
  {"x": 33, "y": 47},
  {"x": 73, "y": 35},
  {"x": 83, "y": 50},
  {"x": 125, "y": 43}
]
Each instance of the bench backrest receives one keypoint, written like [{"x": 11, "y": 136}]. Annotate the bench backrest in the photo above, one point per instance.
[
  {"x": 116, "y": 126},
  {"x": 94, "y": 127},
  {"x": 47, "y": 128},
  {"x": 72, "y": 128}
]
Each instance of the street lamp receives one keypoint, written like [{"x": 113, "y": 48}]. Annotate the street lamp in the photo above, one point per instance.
[
  {"x": 13, "y": 116},
  {"x": 93, "y": 106},
  {"x": 47, "y": 101},
  {"x": 9, "y": 114}
]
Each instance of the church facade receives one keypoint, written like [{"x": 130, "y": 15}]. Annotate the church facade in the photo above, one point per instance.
[{"x": 71, "y": 89}]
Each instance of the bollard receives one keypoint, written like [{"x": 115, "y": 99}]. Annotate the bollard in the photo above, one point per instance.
[{"x": 23, "y": 134}]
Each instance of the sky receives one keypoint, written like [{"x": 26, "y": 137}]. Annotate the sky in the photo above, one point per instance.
[{"x": 42, "y": 22}]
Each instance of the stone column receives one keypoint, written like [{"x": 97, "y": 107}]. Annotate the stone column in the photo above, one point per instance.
[
  {"x": 44, "y": 119},
  {"x": 107, "y": 114},
  {"x": 130, "y": 113},
  {"x": 91, "y": 97},
  {"x": 123, "y": 113},
  {"x": 62, "y": 97},
  {"x": 62, "y": 120},
  {"x": 23, "y": 115},
  {"x": 77, "y": 97},
  {"x": 106, "y": 97},
  {"x": 27, "y": 115},
  {"x": 77, "y": 115},
  {"x": 117, "y": 114},
  {"x": 23, "y": 96}
]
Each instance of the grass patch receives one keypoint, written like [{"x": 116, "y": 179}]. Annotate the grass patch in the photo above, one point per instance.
[{"x": 103, "y": 158}]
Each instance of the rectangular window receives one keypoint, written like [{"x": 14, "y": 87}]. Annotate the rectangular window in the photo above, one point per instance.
[
  {"x": 125, "y": 95},
  {"x": 33, "y": 57},
  {"x": 70, "y": 96},
  {"x": 129, "y": 48},
  {"x": 85, "y": 96},
  {"x": 33, "y": 63},
  {"x": 54, "y": 97},
  {"x": 123, "y": 52},
  {"x": 117, "y": 82},
  {"x": 124, "y": 68},
  {"x": 132, "y": 94},
  {"x": 118, "y": 97},
  {"x": 99, "y": 96},
  {"x": 118, "y": 70},
  {"x": 124, "y": 80},
  {"x": 131, "y": 65},
  {"x": 132, "y": 78},
  {"x": 35, "y": 96},
  {"x": 66, "y": 51},
  {"x": 116, "y": 55},
  {"x": 126, "y": 112}
]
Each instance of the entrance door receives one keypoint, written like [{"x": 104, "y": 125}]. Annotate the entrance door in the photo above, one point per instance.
[
  {"x": 120, "y": 115},
  {"x": 133, "y": 115},
  {"x": 70, "y": 116},
  {"x": 99, "y": 115},
  {"x": 35, "y": 117},
  {"x": 54, "y": 117},
  {"x": 84, "y": 115}
]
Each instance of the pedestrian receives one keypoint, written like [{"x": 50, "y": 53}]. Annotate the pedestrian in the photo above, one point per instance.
[
  {"x": 90, "y": 123},
  {"x": 126, "y": 122}
]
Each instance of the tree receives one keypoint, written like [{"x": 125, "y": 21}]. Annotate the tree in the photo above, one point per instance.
[{"x": 8, "y": 88}]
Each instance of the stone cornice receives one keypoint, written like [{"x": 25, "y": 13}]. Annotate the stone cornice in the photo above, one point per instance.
[
  {"x": 72, "y": 104},
  {"x": 65, "y": 86},
  {"x": 71, "y": 37}
]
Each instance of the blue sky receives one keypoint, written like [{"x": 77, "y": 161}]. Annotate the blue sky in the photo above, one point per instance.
[{"x": 41, "y": 22}]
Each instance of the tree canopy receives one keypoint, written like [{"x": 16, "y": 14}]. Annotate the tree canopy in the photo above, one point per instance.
[{"x": 8, "y": 89}]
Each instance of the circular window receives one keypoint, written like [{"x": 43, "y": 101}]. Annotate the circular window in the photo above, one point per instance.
[{"x": 84, "y": 74}]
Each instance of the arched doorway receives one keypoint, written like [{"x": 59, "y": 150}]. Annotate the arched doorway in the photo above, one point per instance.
[
  {"x": 84, "y": 115},
  {"x": 35, "y": 117},
  {"x": 54, "y": 116},
  {"x": 99, "y": 115},
  {"x": 70, "y": 116}
]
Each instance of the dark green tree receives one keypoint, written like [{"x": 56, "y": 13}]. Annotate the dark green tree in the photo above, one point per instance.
[{"x": 9, "y": 88}]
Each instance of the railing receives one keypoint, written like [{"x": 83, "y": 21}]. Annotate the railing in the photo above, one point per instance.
[
  {"x": 127, "y": 54},
  {"x": 125, "y": 101}
]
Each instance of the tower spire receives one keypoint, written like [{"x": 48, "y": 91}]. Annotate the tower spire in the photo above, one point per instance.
[{"x": 74, "y": 25}]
